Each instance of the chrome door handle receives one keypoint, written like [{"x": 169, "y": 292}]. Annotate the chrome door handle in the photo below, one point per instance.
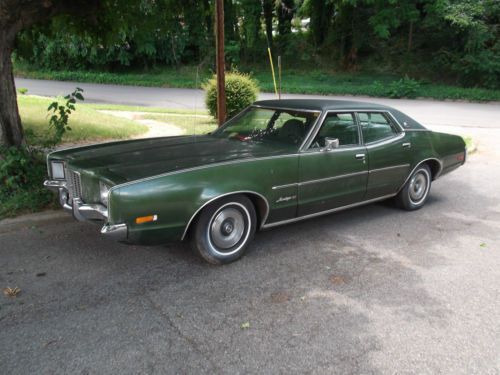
[
  {"x": 407, "y": 145},
  {"x": 360, "y": 156}
]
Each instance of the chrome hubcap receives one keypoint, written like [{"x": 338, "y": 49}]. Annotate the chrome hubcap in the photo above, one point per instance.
[
  {"x": 418, "y": 187},
  {"x": 227, "y": 228}
]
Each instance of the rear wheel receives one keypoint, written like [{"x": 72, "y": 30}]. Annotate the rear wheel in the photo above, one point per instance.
[
  {"x": 415, "y": 192},
  {"x": 224, "y": 229}
]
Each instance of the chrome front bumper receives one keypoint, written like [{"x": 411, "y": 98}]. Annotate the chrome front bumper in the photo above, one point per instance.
[{"x": 86, "y": 212}]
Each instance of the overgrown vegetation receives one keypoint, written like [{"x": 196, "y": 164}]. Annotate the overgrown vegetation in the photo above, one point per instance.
[
  {"x": 241, "y": 91},
  {"x": 454, "y": 42},
  {"x": 22, "y": 171},
  {"x": 297, "y": 81}
]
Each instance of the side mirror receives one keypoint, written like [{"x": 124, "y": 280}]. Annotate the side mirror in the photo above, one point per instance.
[{"x": 331, "y": 144}]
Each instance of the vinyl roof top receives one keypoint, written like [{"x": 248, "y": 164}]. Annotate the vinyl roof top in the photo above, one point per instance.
[{"x": 319, "y": 104}]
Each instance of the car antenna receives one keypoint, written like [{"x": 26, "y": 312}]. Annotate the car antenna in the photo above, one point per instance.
[
  {"x": 272, "y": 69},
  {"x": 279, "y": 77},
  {"x": 195, "y": 113}
]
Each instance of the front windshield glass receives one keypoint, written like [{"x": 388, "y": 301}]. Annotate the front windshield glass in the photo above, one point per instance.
[{"x": 268, "y": 125}]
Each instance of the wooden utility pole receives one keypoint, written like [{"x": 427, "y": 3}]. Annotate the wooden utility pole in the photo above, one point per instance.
[{"x": 219, "y": 56}]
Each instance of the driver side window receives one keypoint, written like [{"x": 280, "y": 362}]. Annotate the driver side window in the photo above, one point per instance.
[{"x": 338, "y": 125}]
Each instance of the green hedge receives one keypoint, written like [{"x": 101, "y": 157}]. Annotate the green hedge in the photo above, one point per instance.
[{"x": 241, "y": 91}]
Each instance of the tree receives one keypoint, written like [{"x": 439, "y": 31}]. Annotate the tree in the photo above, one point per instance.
[
  {"x": 285, "y": 10},
  {"x": 267, "y": 8},
  {"x": 15, "y": 16},
  {"x": 251, "y": 10},
  {"x": 321, "y": 13}
]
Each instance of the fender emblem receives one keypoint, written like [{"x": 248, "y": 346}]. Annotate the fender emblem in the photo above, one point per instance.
[{"x": 286, "y": 199}]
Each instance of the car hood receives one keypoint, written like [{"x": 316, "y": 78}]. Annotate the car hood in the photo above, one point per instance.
[{"x": 131, "y": 160}]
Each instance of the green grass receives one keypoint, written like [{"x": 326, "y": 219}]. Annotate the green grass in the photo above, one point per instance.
[
  {"x": 469, "y": 144},
  {"x": 189, "y": 123},
  {"x": 119, "y": 107},
  {"x": 87, "y": 123},
  {"x": 294, "y": 81}
]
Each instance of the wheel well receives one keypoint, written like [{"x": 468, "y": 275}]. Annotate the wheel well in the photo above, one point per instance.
[
  {"x": 434, "y": 166},
  {"x": 259, "y": 202},
  {"x": 261, "y": 207}
]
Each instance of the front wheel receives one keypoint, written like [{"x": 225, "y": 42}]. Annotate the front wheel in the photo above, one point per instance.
[
  {"x": 415, "y": 192},
  {"x": 224, "y": 229}
]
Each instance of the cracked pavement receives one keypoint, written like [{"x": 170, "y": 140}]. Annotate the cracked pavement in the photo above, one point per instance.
[{"x": 373, "y": 290}]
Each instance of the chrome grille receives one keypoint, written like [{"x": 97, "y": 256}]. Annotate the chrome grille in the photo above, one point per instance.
[{"x": 74, "y": 184}]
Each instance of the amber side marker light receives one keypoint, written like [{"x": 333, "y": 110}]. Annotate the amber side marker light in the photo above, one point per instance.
[{"x": 146, "y": 219}]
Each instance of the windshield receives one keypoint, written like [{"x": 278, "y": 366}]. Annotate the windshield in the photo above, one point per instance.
[{"x": 268, "y": 125}]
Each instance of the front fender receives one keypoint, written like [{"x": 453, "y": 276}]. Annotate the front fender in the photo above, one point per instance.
[{"x": 177, "y": 197}]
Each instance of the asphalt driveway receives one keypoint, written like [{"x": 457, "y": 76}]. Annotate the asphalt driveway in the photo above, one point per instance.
[{"x": 367, "y": 291}]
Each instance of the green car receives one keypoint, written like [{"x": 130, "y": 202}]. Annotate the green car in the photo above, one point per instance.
[{"x": 277, "y": 162}]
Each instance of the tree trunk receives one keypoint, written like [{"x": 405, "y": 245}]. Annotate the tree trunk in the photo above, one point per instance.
[
  {"x": 267, "y": 7},
  {"x": 11, "y": 131},
  {"x": 285, "y": 11},
  {"x": 17, "y": 15},
  {"x": 410, "y": 36}
]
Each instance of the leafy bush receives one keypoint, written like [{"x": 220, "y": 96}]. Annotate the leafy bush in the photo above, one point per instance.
[
  {"x": 479, "y": 70},
  {"x": 22, "y": 172},
  {"x": 60, "y": 115},
  {"x": 403, "y": 88},
  {"x": 22, "y": 90},
  {"x": 241, "y": 91}
]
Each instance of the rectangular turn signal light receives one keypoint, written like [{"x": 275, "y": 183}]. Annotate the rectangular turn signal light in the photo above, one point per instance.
[{"x": 146, "y": 219}]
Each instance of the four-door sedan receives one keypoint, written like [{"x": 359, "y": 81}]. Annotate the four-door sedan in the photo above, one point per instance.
[{"x": 277, "y": 162}]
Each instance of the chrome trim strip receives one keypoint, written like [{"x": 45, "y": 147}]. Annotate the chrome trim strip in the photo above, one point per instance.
[
  {"x": 221, "y": 196},
  {"x": 277, "y": 187},
  {"x": 385, "y": 141},
  {"x": 117, "y": 232},
  {"x": 286, "y": 108},
  {"x": 54, "y": 185},
  {"x": 309, "y": 182},
  {"x": 306, "y": 143},
  {"x": 319, "y": 120},
  {"x": 388, "y": 168},
  {"x": 199, "y": 168},
  {"x": 396, "y": 121},
  {"x": 340, "y": 149},
  {"x": 326, "y": 212},
  {"x": 416, "y": 166},
  {"x": 83, "y": 212}
]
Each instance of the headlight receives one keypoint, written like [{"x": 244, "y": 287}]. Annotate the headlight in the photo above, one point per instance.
[
  {"x": 57, "y": 170},
  {"x": 104, "y": 190}
]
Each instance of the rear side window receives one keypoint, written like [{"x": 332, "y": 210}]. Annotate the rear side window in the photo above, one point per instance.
[{"x": 376, "y": 126}]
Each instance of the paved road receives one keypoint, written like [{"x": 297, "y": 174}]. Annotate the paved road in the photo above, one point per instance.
[
  {"x": 374, "y": 290},
  {"x": 428, "y": 112}
]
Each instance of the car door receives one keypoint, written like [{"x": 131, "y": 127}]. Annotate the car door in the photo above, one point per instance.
[
  {"x": 389, "y": 153},
  {"x": 331, "y": 178}
]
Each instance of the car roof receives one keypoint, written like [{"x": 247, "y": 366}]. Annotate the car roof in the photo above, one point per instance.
[{"x": 319, "y": 104}]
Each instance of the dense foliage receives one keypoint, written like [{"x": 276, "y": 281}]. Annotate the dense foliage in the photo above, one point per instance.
[
  {"x": 22, "y": 171},
  {"x": 241, "y": 91},
  {"x": 457, "y": 41}
]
